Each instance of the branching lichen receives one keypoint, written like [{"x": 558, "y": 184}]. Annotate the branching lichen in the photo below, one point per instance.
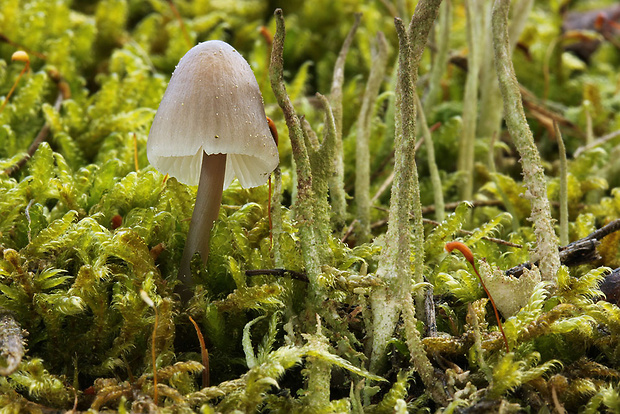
[
  {"x": 305, "y": 192},
  {"x": 396, "y": 253}
]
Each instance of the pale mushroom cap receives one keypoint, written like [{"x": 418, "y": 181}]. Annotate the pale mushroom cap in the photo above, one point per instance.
[{"x": 212, "y": 104}]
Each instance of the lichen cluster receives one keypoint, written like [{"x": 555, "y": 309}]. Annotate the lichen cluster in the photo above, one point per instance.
[{"x": 344, "y": 299}]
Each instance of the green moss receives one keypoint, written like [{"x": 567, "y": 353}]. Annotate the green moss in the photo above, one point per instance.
[{"x": 86, "y": 224}]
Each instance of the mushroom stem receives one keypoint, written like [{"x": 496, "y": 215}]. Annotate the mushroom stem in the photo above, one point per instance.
[{"x": 206, "y": 210}]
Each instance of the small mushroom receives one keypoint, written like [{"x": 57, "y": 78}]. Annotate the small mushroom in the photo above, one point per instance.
[{"x": 211, "y": 127}]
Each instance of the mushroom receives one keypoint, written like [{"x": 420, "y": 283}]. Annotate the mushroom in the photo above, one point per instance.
[{"x": 211, "y": 127}]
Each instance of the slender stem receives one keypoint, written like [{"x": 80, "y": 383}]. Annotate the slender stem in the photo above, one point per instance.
[
  {"x": 154, "y": 354},
  {"x": 490, "y": 95},
  {"x": 441, "y": 58},
  {"x": 336, "y": 182},
  {"x": 204, "y": 352},
  {"x": 21, "y": 58},
  {"x": 469, "y": 256},
  {"x": 440, "y": 212},
  {"x": 362, "y": 151},
  {"x": 395, "y": 261},
  {"x": 206, "y": 210},
  {"x": 476, "y": 25},
  {"x": 507, "y": 203},
  {"x": 563, "y": 187},
  {"x": 587, "y": 108},
  {"x": 177, "y": 15},
  {"x": 323, "y": 171}
]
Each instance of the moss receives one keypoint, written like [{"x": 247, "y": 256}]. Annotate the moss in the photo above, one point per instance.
[{"x": 87, "y": 227}]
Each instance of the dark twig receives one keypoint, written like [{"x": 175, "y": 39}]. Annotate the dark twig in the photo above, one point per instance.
[
  {"x": 606, "y": 230},
  {"x": 5, "y": 39},
  {"x": 278, "y": 272},
  {"x": 349, "y": 231},
  {"x": 63, "y": 93},
  {"x": 578, "y": 252},
  {"x": 177, "y": 15},
  {"x": 436, "y": 223},
  {"x": 541, "y": 111}
]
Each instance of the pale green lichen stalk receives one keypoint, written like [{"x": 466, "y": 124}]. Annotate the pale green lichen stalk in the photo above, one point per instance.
[
  {"x": 311, "y": 205},
  {"x": 546, "y": 250},
  {"x": 477, "y": 12},
  {"x": 305, "y": 193},
  {"x": 490, "y": 95},
  {"x": 432, "y": 164},
  {"x": 563, "y": 186},
  {"x": 362, "y": 152},
  {"x": 444, "y": 21},
  {"x": 276, "y": 217},
  {"x": 336, "y": 180}
]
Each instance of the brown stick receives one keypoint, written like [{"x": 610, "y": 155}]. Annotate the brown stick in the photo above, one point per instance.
[
  {"x": 5, "y": 39},
  {"x": 176, "y": 13},
  {"x": 436, "y": 223},
  {"x": 578, "y": 252},
  {"x": 63, "y": 93},
  {"x": 278, "y": 272}
]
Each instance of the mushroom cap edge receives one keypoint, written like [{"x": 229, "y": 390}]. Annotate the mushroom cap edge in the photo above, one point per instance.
[{"x": 212, "y": 104}]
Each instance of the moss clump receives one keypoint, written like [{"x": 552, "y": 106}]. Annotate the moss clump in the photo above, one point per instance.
[{"x": 336, "y": 319}]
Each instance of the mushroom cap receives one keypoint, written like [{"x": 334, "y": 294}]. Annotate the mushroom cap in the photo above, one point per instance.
[{"x": 212, "y": 104}]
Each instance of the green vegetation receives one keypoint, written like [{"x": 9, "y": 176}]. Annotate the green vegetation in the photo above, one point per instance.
[{"x": 343, "y": 299}]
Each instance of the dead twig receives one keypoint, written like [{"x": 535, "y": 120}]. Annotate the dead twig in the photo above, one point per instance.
[
  {"x": 436, "y": 223},
  {"x": 278, "y": 272},
  {"x": 5, "y": 39},
  {"x": 597, "y": 142},
  {"x": 578, "y": 252},
  {"x": 63, "y": 93},
  {"x": 536, "y": 107}
]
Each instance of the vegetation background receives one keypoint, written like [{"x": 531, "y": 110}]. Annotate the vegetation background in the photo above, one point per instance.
[{"x": 350, "y": 306}]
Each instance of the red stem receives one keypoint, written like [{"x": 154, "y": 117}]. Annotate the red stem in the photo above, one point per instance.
[
  {"x": 469, "y": 256},
  {"x": 26, "y": 67},
  {"x": 204, "y": 353}
]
